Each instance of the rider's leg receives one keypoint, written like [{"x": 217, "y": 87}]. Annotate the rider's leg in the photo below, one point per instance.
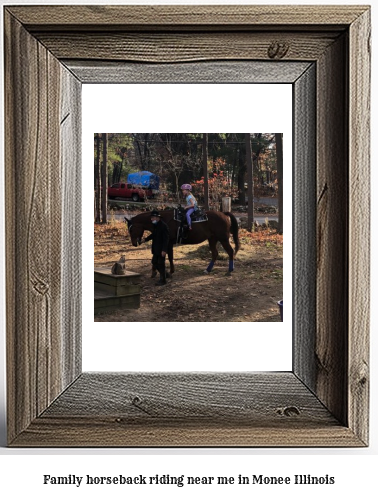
[{"x": 188, "y": 219}]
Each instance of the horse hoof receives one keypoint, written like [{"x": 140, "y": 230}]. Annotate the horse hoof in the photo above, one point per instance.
[
  {"x": 229, "y": 273},
  {"x": 206, "y": 271}
]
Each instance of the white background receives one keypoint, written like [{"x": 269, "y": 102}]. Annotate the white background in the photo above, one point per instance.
[
  {"x": 186, "y": 346},
  {"x": 354, "y": 469}
]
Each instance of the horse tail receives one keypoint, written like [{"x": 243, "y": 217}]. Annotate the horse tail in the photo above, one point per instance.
[{"x": 234, "y": 230}]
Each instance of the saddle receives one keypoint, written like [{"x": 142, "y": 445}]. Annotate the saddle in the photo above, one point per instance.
[
  {"x": 198, "y": 215},
  {"x": 179, "y": 215}
]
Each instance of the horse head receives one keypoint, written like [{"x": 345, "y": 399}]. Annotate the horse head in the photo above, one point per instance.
[{"x": 135, "y": 232}]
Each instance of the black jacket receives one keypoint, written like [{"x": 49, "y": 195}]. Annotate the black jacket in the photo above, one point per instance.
[{"x": 159, "y": 237}]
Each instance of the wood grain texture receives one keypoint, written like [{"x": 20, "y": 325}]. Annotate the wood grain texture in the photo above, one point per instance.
[
  {"x": 193, "y": 409},
  {"x": 184, "y": 16},
  {"x": 324, "y": 402},
  {"x": 359, "y": 209},
  {"x": 70, "y": 165},
  {"x": 217, "y": 396},
  {"x": 202, "y": 72},
  {"x": 34, "y": 240},
  {"x": 110, "y": 432},
  {"x": 304, "y": 228},
  {"x": 33, "y": 278},
  {"x": 332, "y": 230},
  {"x": 180, "y": 47}
]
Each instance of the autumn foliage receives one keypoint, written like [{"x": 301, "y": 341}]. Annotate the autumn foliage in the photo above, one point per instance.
[
  {"x": 219, "y": 184},
  {"x": 264, "y": 237}
]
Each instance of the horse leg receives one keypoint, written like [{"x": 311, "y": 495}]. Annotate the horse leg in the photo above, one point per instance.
[
  {"x": 214, "y": 254},
  {"x": 226, "y": 245}
]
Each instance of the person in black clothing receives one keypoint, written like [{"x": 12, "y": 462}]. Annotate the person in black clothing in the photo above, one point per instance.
[{"x": 160, "y": 239}]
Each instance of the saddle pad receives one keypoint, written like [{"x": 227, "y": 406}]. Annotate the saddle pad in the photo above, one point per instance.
[{"x": 198, "y": 216}]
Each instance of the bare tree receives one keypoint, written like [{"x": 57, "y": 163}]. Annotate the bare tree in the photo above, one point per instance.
[
  {"x": 104, "y": 179},
  {"x": 205, "y": 171},
  {"x": 248, "y": 156},
  {"x": 174, "y": 161}
]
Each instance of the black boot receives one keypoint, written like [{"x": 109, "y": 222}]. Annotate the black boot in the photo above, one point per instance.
[{"x": 162, "y": 280}]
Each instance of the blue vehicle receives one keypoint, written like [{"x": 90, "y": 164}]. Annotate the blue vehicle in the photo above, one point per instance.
[{"x": 144, "y": 179}]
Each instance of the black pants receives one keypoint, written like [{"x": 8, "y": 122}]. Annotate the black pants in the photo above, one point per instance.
[{"x": 159, "y": 264}]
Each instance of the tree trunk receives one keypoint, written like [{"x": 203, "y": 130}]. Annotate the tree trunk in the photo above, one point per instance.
[
  {"x": 121, "y": 168},
  {"x": 177, "y": 187},
  {"x": 114, "y": 175},
  {"x": 97, "y": 181},
  {"x": 280, "y": 181},
  {"x": 248, "y": 155},
  {"x": 104, "y": 179},
  {"x": 234, "y": 166},
  {"x": 146, "y": 152},
  {"x": 137, "y": 142},
  {"x": 205, "y": 171},
  {"x": 241, "y": 175}
]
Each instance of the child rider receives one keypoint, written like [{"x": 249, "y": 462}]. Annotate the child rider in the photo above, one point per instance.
[{"x": 191, "y": 203}]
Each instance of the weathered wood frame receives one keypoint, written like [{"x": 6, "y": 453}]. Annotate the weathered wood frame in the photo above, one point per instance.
[{"x": 324, "y": 400}]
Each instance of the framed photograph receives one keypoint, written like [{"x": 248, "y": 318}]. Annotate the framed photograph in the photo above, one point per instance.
[
  {"x": 324, "y": 53},
  {"x": 165, "y": 314}
]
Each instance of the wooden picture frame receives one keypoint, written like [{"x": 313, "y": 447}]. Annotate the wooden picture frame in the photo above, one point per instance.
[{"x": 49, "y": 52}]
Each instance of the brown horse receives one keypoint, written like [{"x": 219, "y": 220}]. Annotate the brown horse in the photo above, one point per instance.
[{"x": 218, "y": 227}]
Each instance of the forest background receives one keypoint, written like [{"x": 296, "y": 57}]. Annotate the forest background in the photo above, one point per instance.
[{"x": 179, "y": 158}]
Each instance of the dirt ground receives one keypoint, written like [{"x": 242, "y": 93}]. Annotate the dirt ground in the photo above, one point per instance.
[{"x": 249, "y": 294}]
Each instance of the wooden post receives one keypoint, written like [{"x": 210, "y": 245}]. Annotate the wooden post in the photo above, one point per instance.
[
  {"x": 279, "y": 152},
  {"x": 226, "y": 204},
  {"x": 104, "y": 179},
  {"x": 205, "y": 172},
  {"x": 248, "y": 156}
]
